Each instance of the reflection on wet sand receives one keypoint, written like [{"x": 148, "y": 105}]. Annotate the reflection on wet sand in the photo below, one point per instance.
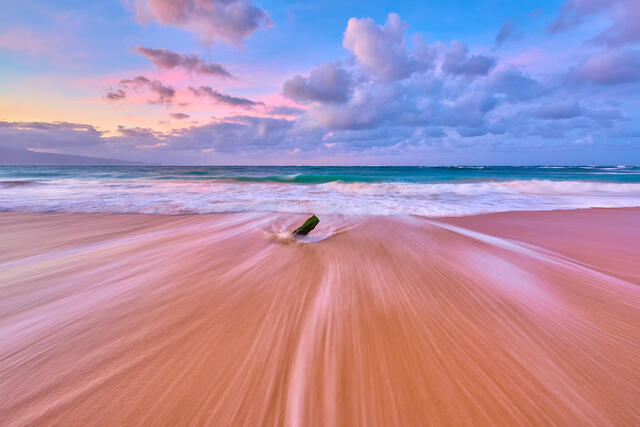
[{"x": 216, "y": 319}]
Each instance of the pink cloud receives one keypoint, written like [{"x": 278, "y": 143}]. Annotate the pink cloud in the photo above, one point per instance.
[
  {"x": 624, "y": 14},
  {"x": 192, "y": 63},
  {"x": 228, "y": 21},
  {"x": 608, "y": 68}
]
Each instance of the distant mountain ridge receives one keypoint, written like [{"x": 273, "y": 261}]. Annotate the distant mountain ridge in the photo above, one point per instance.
[{"x": 21, "y": 156}]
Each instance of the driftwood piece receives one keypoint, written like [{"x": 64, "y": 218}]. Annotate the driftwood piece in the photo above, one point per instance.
[{"x": 308, "y": 225}]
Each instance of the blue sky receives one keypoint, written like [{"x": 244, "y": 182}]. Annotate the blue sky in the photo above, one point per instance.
[{"x": 334, "y": 82}]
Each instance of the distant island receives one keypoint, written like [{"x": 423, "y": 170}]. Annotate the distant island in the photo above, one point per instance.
[{"x": 21, "y": 156}]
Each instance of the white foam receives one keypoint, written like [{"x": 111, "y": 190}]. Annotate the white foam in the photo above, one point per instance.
[{"x": 436, "y": 199}]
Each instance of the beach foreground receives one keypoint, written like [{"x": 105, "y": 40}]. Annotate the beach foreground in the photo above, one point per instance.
[{"x": 512, "y": 318}]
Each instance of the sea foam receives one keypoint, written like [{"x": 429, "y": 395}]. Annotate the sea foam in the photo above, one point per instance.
[{"x": 349, "y": 198}]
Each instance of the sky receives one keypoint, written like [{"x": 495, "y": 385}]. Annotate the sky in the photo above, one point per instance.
[{"x": 454, "y": 82}]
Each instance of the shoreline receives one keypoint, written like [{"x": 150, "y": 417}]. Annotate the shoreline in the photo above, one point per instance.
[
  {"x": 505, "y": 318},
  {"x": 595, "y": 208},
  {"x": 324, "y": 192}
]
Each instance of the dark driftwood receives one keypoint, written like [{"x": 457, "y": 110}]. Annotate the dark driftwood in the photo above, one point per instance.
[{"x": 308, "y": 225}]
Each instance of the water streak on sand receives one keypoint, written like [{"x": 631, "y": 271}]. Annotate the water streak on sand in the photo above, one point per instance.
[
  {"x": 211, "y": 320},
  {"x": 316, "y": 325}
]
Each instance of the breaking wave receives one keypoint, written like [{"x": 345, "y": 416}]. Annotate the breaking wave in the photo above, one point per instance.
[{"x": 334, "y": 197}]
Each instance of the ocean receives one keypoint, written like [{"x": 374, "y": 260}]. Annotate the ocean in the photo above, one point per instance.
[{"x": 429, "y": 191}]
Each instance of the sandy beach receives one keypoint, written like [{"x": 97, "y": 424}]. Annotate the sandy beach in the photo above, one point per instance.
[{"x": 505, "y": 319}]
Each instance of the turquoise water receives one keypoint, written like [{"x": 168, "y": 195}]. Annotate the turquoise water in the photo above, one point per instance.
[
  {"x": 430, "y": 191},
  {"x": 324, "y": 174}
]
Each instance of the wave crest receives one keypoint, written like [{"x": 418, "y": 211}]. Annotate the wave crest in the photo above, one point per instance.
[{"x": 349, "y": 198}]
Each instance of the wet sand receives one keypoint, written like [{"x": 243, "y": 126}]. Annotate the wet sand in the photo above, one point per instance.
[{"x": 514, "y": 318}]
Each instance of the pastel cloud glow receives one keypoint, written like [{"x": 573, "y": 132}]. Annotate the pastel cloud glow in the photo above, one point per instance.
[
  {"x": 392, "y": 90},
  {"x": 610, "y": 68},
  {"x": 166, "y": 59},
  {"x": 625, "y": 15},
  {"x": 163, "y": 93},
  {"x": 221, "y": 98},
  {"x": 229, "y": 21}
]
